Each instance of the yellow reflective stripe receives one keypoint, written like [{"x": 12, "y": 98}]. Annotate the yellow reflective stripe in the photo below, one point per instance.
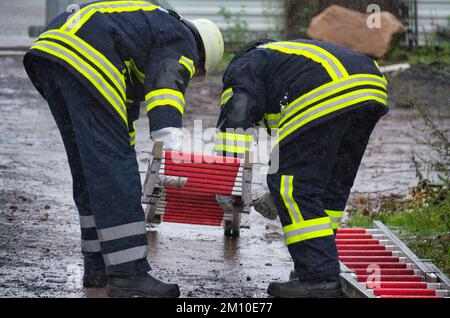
[
  {"x": 226, "y": 95},
  {"x": 332, "y": 65},
  {"x": 87, "y": 71},
  {"x": 230, "y": 148},
  {"x": 230, "y": 142},
  {"x": 93, "y": 55},
  {"x": 308, "y": 229},
  {"x": 131, "y": 65},
  {"x": 77, "y": 20},
  {"x": 234, "y": 137},
  {"x": 132, "y": 133},
  {"x": 329, "y": 89},
  {"x": 272, "y": 120},
  {"x": 286, "y": 191},
  {"x": 335, "y": 217},
  {"x": 165, "y": 97},
  {"x": 188, "y": 63},
  {"x": 330, "y": 106}
]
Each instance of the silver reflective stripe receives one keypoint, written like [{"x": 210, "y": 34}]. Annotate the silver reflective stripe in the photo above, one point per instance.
[
  {"x": 328, "y": 106},
  {"x": 87, "y": 221},
  {"x": 232, "y": 154},
  {"x": 335, "y": 220},
  {"x": 294, "y": 108},
  {"x": 163, "y": 97},
  {"x": 92, "y": 54},
  {"x": 309, "y": 229},
  {"x": 226, "y": 96},
  {"x": 125, "y": 256},
  {"x": 313, "y": 51},
  {"x": 90, "y": 246},
  {"x": 121, "y": 231},
  {"x": 92, "y": 76},
  {"x": 190, "y": 64},
  {"x": 101, "y": 6},
  {"x": 272, "y": 123},
  {"x": 288, "y": 199}
]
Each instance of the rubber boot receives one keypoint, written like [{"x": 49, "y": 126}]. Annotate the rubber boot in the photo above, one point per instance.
[
  {"x": 140, "y": 285},
  {"x": 329, "y": 287},
  {"x": 94, "y": 278}
]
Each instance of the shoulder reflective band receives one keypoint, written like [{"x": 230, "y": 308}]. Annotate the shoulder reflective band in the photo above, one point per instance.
[
  {"x": 125, "y": 256},
  {"x": 165, "y": 97},
  {"x": 131, "y": 66},
  {"x": 226, "y": 95},
  {"x": 335, "y": 217},
  {"x": 272, "y": 120},
  {"x": 189, "y": 64},
  {"x": 333, "y": 66},
  {"x": 90, "y": 53},
  {"x": 79, "y": 18},
  {"x": 87, "y": 71},
  {"x": 233, "y": 143},
  {"x": 308, "y": 229},
  {"x": 329, "y": 106},
  {"x": 329, "y": 89}
]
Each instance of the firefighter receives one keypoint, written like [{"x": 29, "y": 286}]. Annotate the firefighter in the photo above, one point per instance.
[
  {"x": 321, "y": 101},
  {"x": 94, "y": 67}
]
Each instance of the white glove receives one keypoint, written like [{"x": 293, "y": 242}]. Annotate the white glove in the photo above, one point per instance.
[
  {"x": 170, "y": 136},
  {"x": 265, "y": 206},
  {"x": 228, "y": 204}
]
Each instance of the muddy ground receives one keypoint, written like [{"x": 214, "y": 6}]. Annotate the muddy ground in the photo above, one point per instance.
[{"x": 39, "y": 235}]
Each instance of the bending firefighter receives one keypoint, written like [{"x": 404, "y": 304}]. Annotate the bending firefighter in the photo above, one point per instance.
[
  {"x": 94, "y": 68},
  {"x": 322, "y": 102}
]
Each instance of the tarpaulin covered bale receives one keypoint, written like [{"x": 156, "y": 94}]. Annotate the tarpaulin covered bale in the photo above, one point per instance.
[{"x": 356, "y": 30}]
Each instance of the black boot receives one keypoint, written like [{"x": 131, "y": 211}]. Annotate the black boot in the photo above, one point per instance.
[
  {"x": 94, "y": 278},
  {"x": 293, "y": 275},
  {"x": 329, "y": 287},
  {"x": 140, "y": 285}
]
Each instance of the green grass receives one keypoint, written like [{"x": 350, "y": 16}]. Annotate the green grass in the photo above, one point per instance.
[
  {"x": 421, "y": 221},
  {"x": 426, "y": 54}
]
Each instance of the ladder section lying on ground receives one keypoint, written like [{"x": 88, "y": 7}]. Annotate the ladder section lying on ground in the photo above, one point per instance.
[
  {"x": 182, "y": 188},
  {"x": 376, "y": 263}
]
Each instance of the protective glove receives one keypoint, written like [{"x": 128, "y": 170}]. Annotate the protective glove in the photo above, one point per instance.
[
  {"x": 265, "y": 206},
  {"x": 170, "y": 136},
  {"x": 229, "y": 204}
]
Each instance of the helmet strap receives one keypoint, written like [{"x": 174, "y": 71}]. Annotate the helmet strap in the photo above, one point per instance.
[{"x": 198, "y": 38}]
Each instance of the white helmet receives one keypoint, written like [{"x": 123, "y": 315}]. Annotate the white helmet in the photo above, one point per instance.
[{"x": 212, "y": 41}]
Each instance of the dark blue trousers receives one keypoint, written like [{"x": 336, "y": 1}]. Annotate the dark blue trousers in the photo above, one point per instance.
[
  {"x": 106, "y": 182},
  {"x": 311, "y": 188}
]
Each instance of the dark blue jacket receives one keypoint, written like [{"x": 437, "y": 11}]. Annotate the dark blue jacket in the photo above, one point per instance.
[{"x": 124, "y": 52}]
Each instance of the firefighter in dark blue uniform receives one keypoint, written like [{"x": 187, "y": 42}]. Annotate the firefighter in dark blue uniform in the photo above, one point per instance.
[
  {"x": 321, "y": 101},
  {"x": 94, "y": 68}
]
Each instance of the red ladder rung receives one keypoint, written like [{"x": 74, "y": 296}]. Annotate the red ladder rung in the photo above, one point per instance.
[
  {"x": 369, "y": 259},
  {"x": 404, "y": 292},
  {"x": 381, "y": 265},
  {"x": 364, "y": 253},
  {"x": 390, "y": 278},
  {"x": 360, "y": 247},
  {"x": 356, "y": 242}
]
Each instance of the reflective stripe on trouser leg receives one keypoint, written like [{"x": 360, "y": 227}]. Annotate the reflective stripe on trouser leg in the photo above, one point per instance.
[
  {"x": 125, "y": 231},
  {"x": 300, "y": 229},
  {"x": 335, "y": 217},
  {"x": 89, "y": 237}
]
